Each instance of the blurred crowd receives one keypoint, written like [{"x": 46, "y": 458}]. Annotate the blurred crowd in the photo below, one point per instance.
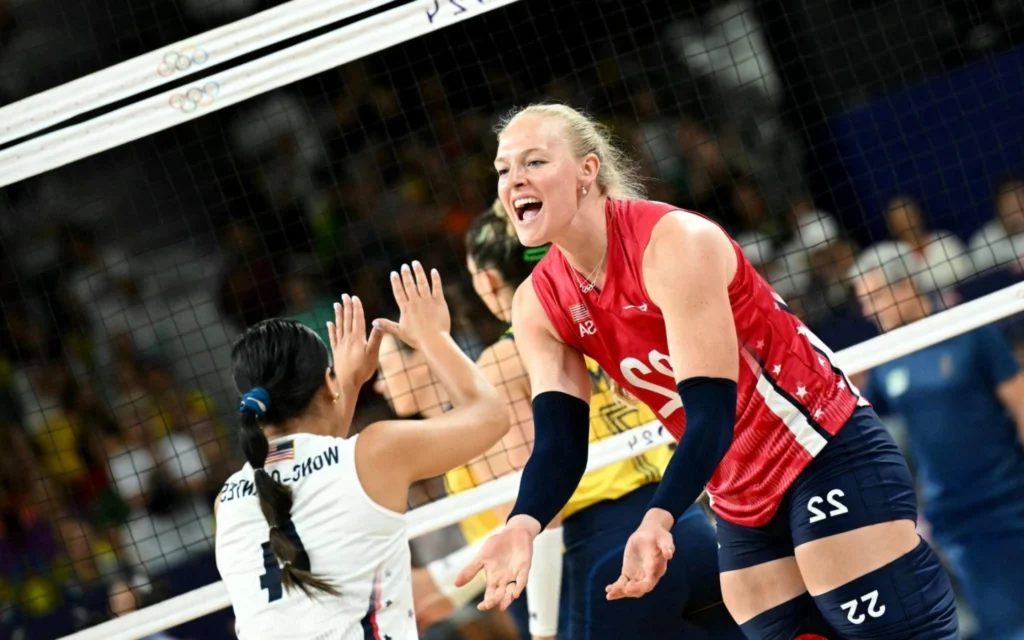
[{"x": 115, "y": 410}]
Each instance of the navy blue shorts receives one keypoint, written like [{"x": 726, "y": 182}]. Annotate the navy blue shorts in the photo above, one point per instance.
[
  {"x": 859, "y": 479},
  {"x": 687, "y": 602}
]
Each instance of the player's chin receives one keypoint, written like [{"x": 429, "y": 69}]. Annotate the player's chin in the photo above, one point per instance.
[{"x": 532, "y": 234}]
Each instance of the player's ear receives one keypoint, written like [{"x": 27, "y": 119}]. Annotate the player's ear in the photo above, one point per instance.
[
  {"x": 329, "y": 383},
  {"x": 590, "y": 165}
]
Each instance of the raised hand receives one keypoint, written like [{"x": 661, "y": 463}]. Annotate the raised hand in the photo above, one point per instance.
[
  {"x": 644, "y": 561},
  {"x": 505, "y": 558},
  {"x": 355, "y": 357},
  {"x": 424, "y": 312}
]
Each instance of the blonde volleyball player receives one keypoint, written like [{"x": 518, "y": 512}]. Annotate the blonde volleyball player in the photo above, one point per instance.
[
  {"x": 605, "y": 508},
  {"x": 335, "y": 562},
  {"x": 816, "y": 506}
]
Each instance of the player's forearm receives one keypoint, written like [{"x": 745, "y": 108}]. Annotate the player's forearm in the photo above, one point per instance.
[
  {"x": 463, "y": 381},
  {"x": 710, "y": 405},
  {"x": 559, "y": 458},
  {"x": 347, "y": 398}
]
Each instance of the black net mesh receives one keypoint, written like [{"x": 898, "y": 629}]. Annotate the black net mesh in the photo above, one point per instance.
[{"x": 818, "y": 134}]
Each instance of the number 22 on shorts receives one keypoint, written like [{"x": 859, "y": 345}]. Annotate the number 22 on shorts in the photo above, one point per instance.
[{"x": 832, "y": 497}]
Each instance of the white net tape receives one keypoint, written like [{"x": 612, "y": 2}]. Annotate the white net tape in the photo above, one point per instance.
[
  {"x": 358, "y": 39},
  {"x": 177, "y": 105}
]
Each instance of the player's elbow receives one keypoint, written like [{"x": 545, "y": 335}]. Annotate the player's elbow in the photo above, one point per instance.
[{"x": 493, "y": 412}]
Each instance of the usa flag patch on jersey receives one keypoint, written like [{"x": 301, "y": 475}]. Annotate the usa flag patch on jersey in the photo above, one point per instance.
[
  {"x": 579, "y": 312},
  {"x": 280, "y": 451}
]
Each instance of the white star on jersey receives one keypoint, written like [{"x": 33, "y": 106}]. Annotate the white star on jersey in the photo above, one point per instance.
[
  {"x": 801, "y": 391},
  {"x": 818, "y": 413},
  {"x": 777, "y": 369}
]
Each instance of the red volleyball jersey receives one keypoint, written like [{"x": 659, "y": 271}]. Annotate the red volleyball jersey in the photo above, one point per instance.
[{"x": 791, "y": 397}]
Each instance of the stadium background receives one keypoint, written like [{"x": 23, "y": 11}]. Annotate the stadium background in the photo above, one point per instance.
[{"x": 125, "y": 276}]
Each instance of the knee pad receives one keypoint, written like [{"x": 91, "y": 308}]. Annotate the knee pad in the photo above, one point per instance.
[
  {"x": 796, "y": 619},
  {"x": 908, "y": 598}
]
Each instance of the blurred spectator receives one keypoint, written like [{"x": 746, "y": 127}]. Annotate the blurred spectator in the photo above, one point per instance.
[
  {"x": 161, "y": 475},
  {"x": 123, "y": 599},
  {"x": 962, "y": 401},
  {"x": 249, "y": 291},
  {"x": 1000, "y": 243},
  {"x": 943, "y": 257}
]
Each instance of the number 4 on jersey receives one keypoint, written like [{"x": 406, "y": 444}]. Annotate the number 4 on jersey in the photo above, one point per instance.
[{"x": 271, "y": 579}]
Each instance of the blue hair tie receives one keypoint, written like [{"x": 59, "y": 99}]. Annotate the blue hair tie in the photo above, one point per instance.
[{"x": 256, "y": 400}]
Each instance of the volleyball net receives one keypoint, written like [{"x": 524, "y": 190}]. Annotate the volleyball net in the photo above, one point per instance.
[{"x": 154, "y": 208}]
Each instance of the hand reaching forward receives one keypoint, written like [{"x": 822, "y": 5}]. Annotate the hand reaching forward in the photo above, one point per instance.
[
  {"x": 421, "y": 301},
  {"x": 355, "y": 357},
  {"x": 505, "y": 558},
  {"x": 645, "y": 558}
]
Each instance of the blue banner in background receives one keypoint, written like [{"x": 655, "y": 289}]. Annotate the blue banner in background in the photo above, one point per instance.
[{"x": 945, "y": 142}]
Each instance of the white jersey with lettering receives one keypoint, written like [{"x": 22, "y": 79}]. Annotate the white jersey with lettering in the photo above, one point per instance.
[{"x": 358, "y": 546}]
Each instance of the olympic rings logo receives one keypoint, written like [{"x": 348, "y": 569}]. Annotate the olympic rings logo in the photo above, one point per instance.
[
  {"x": 181, "y": 60},
  {"x": 195, "y": 97}
]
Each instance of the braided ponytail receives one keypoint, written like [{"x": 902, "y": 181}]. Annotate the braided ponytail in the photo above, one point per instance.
[{"x": 275, "y": 498}]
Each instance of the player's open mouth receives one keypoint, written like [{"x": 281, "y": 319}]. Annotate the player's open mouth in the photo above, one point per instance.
[{"x": 527, "y": 208}]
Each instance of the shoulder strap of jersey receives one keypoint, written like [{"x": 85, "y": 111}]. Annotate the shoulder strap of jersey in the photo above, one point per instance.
[{"x": 636, "y": 219}]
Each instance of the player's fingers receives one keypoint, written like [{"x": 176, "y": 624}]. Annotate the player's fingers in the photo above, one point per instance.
[
  {"x": 398, "y": 290},
  {"x": 642, "y": 587},
  {"x": 510, "y": 595},
  {"x": 435, "y": 279},
  {"x": 387, "y": 326},
  {"x": 339, "y": 320},
  {"x": 422, "y": 284},
  {"x": 358, "y": 317},
  {"x": 521, "y": 578},
  {"x": 346, "y": 307},
  {"x": 409, "y": 283},
  {"x": 668, "y": 548},
  {"x": 615, "y": 590},
  {"x": 373, "y": 344},
  {"x": 332, "y": 334},
  {"x": 495, "y": 590},
  {"x": 469, "y": 572}
]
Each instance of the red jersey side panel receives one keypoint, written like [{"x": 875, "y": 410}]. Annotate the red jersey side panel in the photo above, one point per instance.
[{"x": 791, "y": 398}]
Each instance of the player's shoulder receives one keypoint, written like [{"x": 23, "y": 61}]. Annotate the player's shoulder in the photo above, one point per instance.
[{"x": 679, "y": 234}]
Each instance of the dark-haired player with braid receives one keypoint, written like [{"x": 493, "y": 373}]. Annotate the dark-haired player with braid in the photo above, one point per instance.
[{"x": 311, "y": 536}]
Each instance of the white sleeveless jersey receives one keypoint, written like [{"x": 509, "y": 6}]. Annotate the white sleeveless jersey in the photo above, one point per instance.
[{"x": 355, "y": 544}]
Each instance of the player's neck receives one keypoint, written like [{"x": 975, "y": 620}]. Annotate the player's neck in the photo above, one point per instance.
[
  {"x": 311, "y": 424},
  {"x": 584, "y": 243}
]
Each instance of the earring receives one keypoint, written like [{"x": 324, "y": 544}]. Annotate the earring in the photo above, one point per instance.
[
  {"x": 337, "y": 396},
  {"x": 584, "y": 191}
]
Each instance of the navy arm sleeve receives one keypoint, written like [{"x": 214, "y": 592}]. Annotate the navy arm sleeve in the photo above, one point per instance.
[
  {"x": 710, "y": 405},
  {"x": 561, "y": 425}
]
